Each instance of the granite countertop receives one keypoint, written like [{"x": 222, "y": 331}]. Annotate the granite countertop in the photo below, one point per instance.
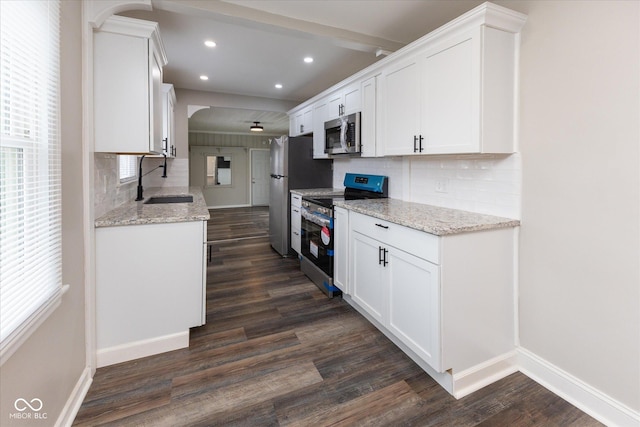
[
  {"x": 427, "y": 218},
  {"x": 137, "y": 213},
  {"x": 319, "y": 192}
]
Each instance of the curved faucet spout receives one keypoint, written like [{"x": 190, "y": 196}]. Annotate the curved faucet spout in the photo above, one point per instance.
[{"x": 139, "y": 197}]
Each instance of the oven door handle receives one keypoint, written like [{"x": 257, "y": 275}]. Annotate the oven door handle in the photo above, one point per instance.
[{"x": 316, "y": 218}]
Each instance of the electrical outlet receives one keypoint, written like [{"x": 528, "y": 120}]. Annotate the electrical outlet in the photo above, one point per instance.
[{"x": 442, "y": 185}]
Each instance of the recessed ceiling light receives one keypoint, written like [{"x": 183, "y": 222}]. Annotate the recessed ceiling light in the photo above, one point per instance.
[
  {"x": 209, "y": 43},
  {"x": 278, "y": 86},
  {"x": 308, "y": 60},
  {"x": 203, "y": 77}
]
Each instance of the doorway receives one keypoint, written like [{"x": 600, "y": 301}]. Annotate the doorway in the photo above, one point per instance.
[{"x": 259, "y": 177}]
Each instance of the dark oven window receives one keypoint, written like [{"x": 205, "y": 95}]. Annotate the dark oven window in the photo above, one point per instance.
[{"x": 317, "y": 245}]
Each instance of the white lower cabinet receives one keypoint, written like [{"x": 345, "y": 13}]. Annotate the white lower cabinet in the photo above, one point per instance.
[
  {"x": 414, "y": 304},
  {"x": 368, "y": 276},
  {"x": 150, "y": 283},
  {"x": 400, "y": 290},
  {"x": 296, "y": 222},
  {"x": 341, "y": 249},
  {"x": 447, "y": 301}
]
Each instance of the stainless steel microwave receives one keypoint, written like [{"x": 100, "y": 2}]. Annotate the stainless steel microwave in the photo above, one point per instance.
[{"x": 342, "y": 135}]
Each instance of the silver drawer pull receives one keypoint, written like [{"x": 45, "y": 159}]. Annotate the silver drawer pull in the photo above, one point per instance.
[{"x": 382, "y": 226}]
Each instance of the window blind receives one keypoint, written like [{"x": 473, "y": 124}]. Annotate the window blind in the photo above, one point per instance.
[
  {"x": 127, "y": 167},
  {"x": 30, "y": 167}
]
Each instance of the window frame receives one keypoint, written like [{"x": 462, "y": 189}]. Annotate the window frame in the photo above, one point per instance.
[{"x": 31, "y": 238}]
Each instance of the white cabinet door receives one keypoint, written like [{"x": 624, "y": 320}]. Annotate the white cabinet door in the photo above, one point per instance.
[
  {"x": 451, "y": 98},
  {"x": 352, "y": 99},
  {"x": 156, "y": 104},
  {"x": 319, "y": 116},
  {"x": 127, "y": 87},
  {"x": 334, "y": 106},
  {"x": 401, "y": 107},
  {"x": 368, "y": 120},
  {"x": 296, "y": 222},
  {"x": 341, "y": 249},
  {"x": 295, "y": 229},
  {"x": 369, "y": 284},
  {"x": 168, "y": 115},
  {"x": 307, "y": 121},
  {"x": 293, "y": 121},
  {"x": 301, "y": 122},
  {"x": 344, "y": 101},
  {"x": 414, "y": 304}
]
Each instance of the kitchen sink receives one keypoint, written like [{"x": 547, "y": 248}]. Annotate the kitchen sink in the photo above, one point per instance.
[{"x": 169, "y": 199}]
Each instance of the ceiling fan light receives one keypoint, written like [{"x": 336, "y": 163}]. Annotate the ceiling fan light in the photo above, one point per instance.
[{"x": 255, "y": 127}]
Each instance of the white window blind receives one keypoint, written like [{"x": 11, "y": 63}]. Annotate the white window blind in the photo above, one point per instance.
[
  {"x": 30, "y": 169},
  {"x": 127, "y": 167}
]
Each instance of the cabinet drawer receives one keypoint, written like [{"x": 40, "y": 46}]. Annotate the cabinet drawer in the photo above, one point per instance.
[
  {"x": 296, "y": 200},
  {"x": 296, "y": 220},
  {"x": 421, "y": 244}
]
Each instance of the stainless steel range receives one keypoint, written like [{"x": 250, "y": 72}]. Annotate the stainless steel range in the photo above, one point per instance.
[{"x": 317, "y": 257}]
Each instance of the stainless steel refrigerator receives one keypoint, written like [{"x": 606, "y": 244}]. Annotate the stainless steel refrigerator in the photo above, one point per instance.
[{"x": 292, "y": 168}]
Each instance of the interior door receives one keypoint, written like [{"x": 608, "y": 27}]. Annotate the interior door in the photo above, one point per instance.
[{"x": 259, "y": 177}]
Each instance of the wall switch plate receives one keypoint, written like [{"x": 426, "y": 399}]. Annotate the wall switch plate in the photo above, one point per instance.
[{"x": 442, "y": 185}]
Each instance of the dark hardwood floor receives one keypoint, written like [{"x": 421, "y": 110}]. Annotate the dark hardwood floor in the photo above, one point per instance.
[{"x": 276, "y": 352}]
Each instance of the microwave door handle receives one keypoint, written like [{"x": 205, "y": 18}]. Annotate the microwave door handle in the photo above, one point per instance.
[{"x": 344, "y": 125}]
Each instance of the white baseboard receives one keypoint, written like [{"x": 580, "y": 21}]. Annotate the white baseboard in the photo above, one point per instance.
[
  {"x": 135, "y": 350},
  {"x": 488, "y": 372},
  {"x": 74, "y": 401},
  {"x": 586, "y": 398}
]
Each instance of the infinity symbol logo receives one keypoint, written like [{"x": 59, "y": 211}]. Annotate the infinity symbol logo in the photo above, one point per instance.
[{"x": 22, "y": 405}]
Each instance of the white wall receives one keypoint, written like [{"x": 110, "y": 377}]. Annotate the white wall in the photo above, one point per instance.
[
  {"x": 50, "y": 363},
  {"x": 580, "y": 237},
  {"x": 236, "y": 194}
]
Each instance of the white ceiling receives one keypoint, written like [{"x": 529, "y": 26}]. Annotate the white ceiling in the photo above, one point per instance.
[{"x": 263, "y": 42}]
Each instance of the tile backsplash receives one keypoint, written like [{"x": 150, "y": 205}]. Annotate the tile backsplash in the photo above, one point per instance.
[
  {"x": 109, "y": 193},
  {"x": 489, "y": 184}
]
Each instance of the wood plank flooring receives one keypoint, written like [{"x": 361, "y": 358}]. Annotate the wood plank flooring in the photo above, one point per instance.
[{"x": 276, "y": 352}]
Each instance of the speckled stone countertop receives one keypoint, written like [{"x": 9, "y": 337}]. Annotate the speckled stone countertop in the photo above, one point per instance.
[
  {"x": 427, "y": 218},
  {"x": 319, "y": 192},
  {"x": 137, "y": 213}
]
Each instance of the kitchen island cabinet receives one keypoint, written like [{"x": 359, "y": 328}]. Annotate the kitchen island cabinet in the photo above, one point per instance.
[
  {"x": 150, "y": 277},
  {"x": 446, "y": 299}
]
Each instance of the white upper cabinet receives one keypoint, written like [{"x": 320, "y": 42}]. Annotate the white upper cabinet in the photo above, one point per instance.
[
  {"x": 369, "y": 118},
  {"x": 301, "y": 122},
  {"x": 319, "y": 116},
  {"x": 449, "y": 92},
  {"x": 128, "y": 60},
  {"x": 455, "y": 96},
  {"x": 168, "y": 120},
  {"x": 400, "y": 107},
  {"x": 344, "y": 101}
]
